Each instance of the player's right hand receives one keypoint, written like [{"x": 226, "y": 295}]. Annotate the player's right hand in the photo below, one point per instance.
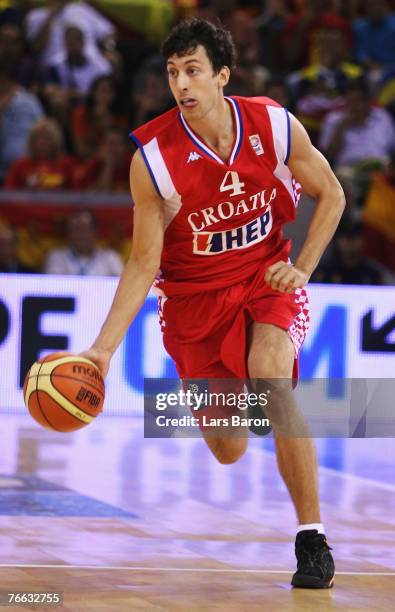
[
  {"x": 285, "y": 277},
  {"x": 100, "y": 357}
]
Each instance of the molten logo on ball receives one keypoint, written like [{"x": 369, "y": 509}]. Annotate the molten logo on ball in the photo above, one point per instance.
[
  {"x": 88, "y": 372},
  {"x": 56, "y": 386}
]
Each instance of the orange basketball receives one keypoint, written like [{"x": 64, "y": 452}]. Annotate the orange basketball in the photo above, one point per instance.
[{"x": 64, "y": 392}]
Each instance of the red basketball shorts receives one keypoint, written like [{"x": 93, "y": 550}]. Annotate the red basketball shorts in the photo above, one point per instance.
[{"x": 206, "y": 333}]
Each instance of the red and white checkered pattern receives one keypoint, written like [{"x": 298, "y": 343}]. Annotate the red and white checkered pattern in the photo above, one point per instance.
[
  {"x": 297, "y": 189},
  {"x": 301, "y": 323},
  {"x": 161, "y": 301}
]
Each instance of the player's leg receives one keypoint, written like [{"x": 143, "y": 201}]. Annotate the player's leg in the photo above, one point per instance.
[
  {"x": 271, "y": 357},
  {"x": 227, "y": 448},
  {"x": 227, "y": 443},
  {"x": 193, "y": 331}
]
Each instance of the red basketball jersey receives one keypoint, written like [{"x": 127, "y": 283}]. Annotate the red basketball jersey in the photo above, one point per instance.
[{"x": 223, "y": 220}]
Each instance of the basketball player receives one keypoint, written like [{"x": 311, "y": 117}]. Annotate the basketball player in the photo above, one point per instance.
[{"x": 213, "y": 182}]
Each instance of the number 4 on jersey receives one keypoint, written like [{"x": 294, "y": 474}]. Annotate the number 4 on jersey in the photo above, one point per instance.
[{"x": 233, "y": 184}]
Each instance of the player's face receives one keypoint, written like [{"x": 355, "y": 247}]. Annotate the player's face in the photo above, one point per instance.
[{"x": 193, "y": 83}]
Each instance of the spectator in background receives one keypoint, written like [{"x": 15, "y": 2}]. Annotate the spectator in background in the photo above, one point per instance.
[
  {"x": 375, "y": 36},
  {"x": 348, "y": 265},
  {"x": 92, "y": 120},
  {"x": 46, "y": 167},
  {"x": 270, "y": 29},
  {"x": 249, "y": 75},
  {"x": 12, "y": 55},
  {"x": 19, "y": 111},
  {"x": 108, "y": 170},
  {"x": 386, "y": 90},
  {"x": 319, "y": 88},
  {"x": 12, "y": 12},
  {"x": 82, "y": 255},
  {"x": 379, "y": 216},
  {"x": 300, "y": 35},
  {"x": 9, "y": 262},
  {"x": 45, "y": 29},
  {"x": 150, "y": 92},
  {"x": 277, "y": 89},
  {"x": 357, "y": 141},
  {"x": 68, "y": 80},
  {"x": 76, "y": 71},
  {"x": 359, "y": 132}
]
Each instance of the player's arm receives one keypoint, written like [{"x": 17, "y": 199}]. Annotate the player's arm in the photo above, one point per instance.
[
  {"x": 141, "y": 268},
  {"x": 312, "y": 171}
]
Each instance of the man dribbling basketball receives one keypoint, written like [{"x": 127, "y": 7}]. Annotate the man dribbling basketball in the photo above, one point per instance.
[{"x": 213, "y": 182}]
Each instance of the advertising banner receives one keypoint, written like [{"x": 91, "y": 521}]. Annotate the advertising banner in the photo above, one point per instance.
[{"x": 352, "y": 336}]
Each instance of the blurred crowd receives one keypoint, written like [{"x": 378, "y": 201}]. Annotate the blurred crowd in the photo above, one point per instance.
[{"x": 73, "y": 84}]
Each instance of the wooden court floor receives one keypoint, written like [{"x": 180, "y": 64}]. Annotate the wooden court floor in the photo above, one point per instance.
[{"x": 119, "y": 523}]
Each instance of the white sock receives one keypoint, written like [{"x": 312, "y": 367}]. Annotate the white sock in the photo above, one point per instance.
[{"x": 318, "y": 526}]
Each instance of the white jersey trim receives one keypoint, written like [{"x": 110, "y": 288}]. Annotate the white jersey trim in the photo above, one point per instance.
[
  {"x": 163, "y": 180},
  {"x": 160, "y": 177},
  {"x": 204, "y": 147},
  {"x": 280, "y": 129},
  {"x": 159, "y": 169},
  {"x": 280, "y": 124},
  {"x": 172, "y": 208}
]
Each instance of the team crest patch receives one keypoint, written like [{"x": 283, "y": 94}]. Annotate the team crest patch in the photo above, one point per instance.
[{"x": 256, "y": 144}]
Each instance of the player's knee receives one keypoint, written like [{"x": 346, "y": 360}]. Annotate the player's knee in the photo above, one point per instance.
[
  {"x": 227, "y": 458},
  {"x": 269, "y": 364},
  {"x": 226, "y": 454},
  {"x": 272, "y": 355},
  {"x": 267, "y": 367}
]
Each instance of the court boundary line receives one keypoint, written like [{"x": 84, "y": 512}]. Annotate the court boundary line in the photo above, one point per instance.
[{"x": 201, "y": 570}]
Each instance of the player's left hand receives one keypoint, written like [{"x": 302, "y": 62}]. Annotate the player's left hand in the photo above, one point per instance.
[{"x": 283, "y": 276}]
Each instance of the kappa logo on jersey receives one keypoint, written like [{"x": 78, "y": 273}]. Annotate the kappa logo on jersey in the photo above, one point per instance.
[
  {"x": 213, "y": 243},
  {"x": 256, "y": 144},
  {"x": 193, "y": 156}
]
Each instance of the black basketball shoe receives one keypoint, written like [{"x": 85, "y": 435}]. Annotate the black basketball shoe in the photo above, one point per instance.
[{"x": 315, "y": 568}]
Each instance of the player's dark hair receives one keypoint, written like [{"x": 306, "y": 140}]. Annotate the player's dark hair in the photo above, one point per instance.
[{"x": 187, "y": 35}]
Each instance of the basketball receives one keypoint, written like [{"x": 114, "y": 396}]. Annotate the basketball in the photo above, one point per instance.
[{"x": 64, "y": 392}]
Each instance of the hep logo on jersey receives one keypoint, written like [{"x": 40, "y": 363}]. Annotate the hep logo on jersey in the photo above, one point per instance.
[{"x": 213, "y": 243}]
